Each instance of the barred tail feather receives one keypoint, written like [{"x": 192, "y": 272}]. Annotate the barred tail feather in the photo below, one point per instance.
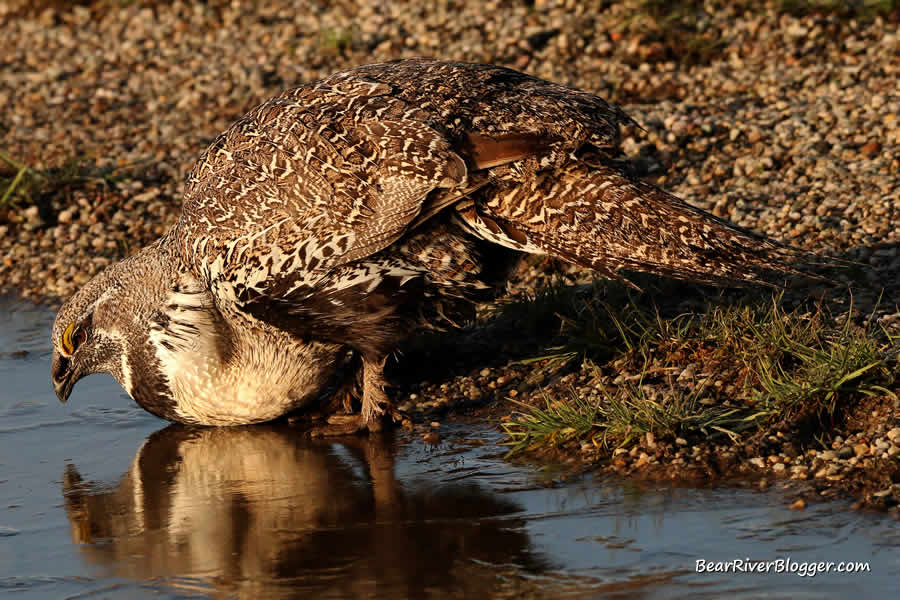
[{"x": 599, "y": 217}]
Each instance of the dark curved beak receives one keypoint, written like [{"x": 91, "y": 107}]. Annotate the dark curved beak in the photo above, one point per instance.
[{"x": 62, "y": 376}]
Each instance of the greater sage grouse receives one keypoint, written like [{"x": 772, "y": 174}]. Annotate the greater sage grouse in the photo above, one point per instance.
[{"x": 347, "y": 212}]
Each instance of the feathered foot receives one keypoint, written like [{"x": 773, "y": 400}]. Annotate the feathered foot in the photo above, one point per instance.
[
  {"x": 343, "y": 422},
  {"x": 334, "y": 410},
  {"x": 377, "y": 409},
  {"x": 339, "y": 425},
  {"x": 375, "y": 402}
]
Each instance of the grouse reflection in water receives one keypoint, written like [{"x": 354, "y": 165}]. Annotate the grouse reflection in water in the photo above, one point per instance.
[{"x": 265, "y": 512}]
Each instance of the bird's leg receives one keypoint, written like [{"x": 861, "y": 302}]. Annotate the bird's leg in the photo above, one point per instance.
[
  {"x": 374, "y": 401},
  {"x": 340, "y": 423},
  {"x": 375, "y": 405},
  {"x": 341, "y": 401},
  {"x": 336, "y": 407}
]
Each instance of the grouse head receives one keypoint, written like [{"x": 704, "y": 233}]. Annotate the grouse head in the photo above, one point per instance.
[{"x": 104, "y": 329}]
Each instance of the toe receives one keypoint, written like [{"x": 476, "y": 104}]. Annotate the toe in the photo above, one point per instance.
[{"x": 340, "y": 425}]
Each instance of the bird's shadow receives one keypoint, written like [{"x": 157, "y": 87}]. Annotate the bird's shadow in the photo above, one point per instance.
[{"x": 553, "y": 319}]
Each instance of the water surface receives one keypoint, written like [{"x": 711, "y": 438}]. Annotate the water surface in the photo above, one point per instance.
[{"x": 99, "y": 499}]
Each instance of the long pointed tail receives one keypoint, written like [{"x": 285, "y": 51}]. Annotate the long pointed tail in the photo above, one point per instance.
[{"x": 599, "y": 217}]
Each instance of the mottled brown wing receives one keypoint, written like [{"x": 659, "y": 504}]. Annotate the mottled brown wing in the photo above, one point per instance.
[
  {"x": 294, "y": 190},
  {"x": 327, "y": 174}
]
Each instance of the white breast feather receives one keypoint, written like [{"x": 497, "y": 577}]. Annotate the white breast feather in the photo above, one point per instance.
[{"x": 266, "y": 379}]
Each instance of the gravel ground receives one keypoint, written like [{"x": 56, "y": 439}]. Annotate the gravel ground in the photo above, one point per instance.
[{"x": 788, "y": 125}]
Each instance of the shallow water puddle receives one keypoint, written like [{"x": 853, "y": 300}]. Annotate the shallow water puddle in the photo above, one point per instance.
[{"x": 98, "y": 499}]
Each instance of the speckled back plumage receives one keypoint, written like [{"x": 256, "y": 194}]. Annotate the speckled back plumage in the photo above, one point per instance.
[{"x": 336, "y": 171}]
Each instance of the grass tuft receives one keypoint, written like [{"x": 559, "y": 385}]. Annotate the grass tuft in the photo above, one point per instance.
[
  {"x": 729, "y": 372},
  {"x": 855, "y": 9},
  {"x": 22, "y": 185},
  {"x": 18, "y": 183},
  {"x": 337, "y": 41}
]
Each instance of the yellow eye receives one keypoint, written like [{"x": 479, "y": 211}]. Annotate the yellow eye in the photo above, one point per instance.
[{"x": 68, "y": 345}]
